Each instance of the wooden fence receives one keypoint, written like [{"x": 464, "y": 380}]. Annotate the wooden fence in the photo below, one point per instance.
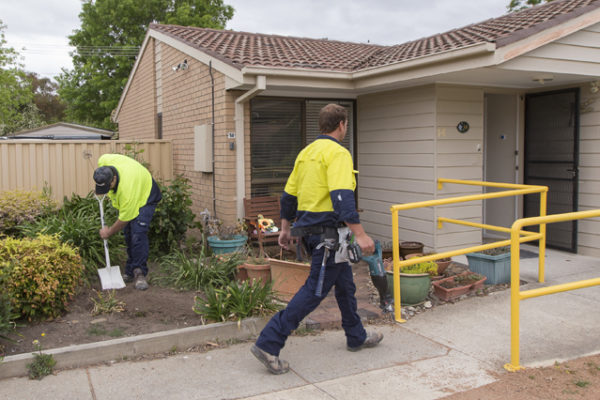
[{"x": 67, "y": 167}]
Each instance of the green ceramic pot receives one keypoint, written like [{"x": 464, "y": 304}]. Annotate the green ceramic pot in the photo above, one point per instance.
[{"x": 414, "y": 288}]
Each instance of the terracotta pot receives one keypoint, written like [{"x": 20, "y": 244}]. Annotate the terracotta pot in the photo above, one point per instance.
[
  {"x": 241, "y": 274},
  {"x": 451, "y": 293},
  {"x": 442, "y": 265},
  {"x": 413, "y": 255},
  {"x": 288, "y": 277},
  {"x": 261, "y": 272}
]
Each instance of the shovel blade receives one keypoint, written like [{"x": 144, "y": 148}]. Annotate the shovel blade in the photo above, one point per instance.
[{"x": 110, "y": 278}]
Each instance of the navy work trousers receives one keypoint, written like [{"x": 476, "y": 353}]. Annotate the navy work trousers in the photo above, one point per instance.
[
  {"x": 136, "y": 234},
  {"x": 273, "y": 336}
]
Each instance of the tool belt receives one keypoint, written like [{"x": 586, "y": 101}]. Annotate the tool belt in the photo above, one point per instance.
[{"x": 327, "y": 232}]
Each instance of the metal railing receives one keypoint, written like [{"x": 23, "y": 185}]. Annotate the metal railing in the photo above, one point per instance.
[
  {"x": 523, "y": 236},
  {"x": 515, "y": 291}
]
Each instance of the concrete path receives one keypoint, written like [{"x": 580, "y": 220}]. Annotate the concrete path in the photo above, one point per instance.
[{"x": 454, "y": 347}]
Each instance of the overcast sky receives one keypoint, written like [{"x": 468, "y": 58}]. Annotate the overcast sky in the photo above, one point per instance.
[{"x": 42, "y": 27}]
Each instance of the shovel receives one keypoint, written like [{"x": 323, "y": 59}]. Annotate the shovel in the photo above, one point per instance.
[{"x": 110, "y": 277}]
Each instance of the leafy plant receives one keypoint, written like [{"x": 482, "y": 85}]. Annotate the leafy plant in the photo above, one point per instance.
[
  {"x": 235, "y": 302},
  {"x": 216, "y": 227},
  {"x": 40, "y": 274},
  {"x": 173, "y": 217},
  {"x": 182, "y": 271},
  {"x": 42, "y": 364},
  {"x": 496, "y": 251},
  {"x": 428, "y": 267},
  {"x": 77, "y": 223},
  {"x": 7, "y": 316},
  {"x": 18, "y": 207},
  {"x": 106, "y": 303}
]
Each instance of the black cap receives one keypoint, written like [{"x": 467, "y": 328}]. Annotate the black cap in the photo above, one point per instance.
[{"x": 103, "y": 176}]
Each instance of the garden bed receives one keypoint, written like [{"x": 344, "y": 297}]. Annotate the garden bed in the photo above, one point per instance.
[{"x": 154, "y": 310}]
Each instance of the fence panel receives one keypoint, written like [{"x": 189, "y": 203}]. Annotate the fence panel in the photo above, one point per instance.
[{"x": 66, "y": 167}]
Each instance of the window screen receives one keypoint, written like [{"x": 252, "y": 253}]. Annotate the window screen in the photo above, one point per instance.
[
  {"x": 276, "y": 140},
  {"x": 280, "y": 128}
]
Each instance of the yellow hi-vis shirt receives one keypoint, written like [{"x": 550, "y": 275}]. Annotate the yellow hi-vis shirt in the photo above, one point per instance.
[
  {"x": 323, "y": 183},
  {"x": 134, "y": 185}
]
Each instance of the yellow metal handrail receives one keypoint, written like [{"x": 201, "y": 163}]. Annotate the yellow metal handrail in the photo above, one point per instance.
[
  {"x": 516, "y": 190},
  {"x": 515, "y": 291}
]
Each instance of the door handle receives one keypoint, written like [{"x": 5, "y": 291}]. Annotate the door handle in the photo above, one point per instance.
[{"x": 573, "y": 172}]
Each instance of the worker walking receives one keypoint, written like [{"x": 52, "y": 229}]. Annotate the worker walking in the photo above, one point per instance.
[
  {"x": 319, "y": 196},
  {"x": 135, "y": 194}
]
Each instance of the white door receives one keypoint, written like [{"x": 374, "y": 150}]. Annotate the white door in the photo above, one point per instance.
[{"x": 500, "y": 157}]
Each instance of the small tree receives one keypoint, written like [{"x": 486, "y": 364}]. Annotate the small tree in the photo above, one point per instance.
[
  {"x": 17, "y": 110},
  {"x": 517, "y": 5}
]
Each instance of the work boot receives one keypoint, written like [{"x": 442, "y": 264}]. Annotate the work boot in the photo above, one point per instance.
[
  {"x": 140, "y": 279},
  {"x": 273, "y": 363},
  {"x": 127, "y": 278},
  {"x": 372, "y": 340}
]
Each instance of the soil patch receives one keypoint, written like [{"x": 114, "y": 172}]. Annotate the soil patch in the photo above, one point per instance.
[
  {"x": 575, "y": 379},
  {"x": 154, "y": 310}
]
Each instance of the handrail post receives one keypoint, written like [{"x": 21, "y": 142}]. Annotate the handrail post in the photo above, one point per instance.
[
  {"x": 515, "y": 280},
  {"x": 542, "y": 242},
  {"x": 396, "y": 268}
]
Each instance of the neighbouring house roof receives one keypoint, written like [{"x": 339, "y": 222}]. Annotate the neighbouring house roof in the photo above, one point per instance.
[
  {"x": 63, "y": 130},
  {"x": 242, "y": 49}
]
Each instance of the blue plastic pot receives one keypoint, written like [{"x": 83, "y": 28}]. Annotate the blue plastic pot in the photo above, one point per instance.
[{"x": 224, "y": 246}]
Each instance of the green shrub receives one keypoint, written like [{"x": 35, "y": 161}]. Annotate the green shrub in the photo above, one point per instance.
[
  {"x": 7, "y": 316},
  {"x": 181, "y": 271},
  {"x": 235, "y": 302},
  {"x": 173, "y": 216},
  {"x": 77, "y": 223},
  {"x": 17, "y": 207},
  {"x": 428, "y": 267},
  {"x": 41, "y": 275}
]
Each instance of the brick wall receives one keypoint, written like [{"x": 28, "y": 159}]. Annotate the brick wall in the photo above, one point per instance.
[
  {"x": 186, "y": 102},
  {"x": 137, "y": 118}
]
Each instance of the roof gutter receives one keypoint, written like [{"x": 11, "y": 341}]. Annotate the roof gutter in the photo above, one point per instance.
[{"x": 240, "y": 160}]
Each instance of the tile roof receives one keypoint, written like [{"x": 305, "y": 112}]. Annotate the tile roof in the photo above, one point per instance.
[{"x": 241, "y": 49}]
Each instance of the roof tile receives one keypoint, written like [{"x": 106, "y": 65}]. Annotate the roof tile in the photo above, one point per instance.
[{"x": 242, "y": 49}]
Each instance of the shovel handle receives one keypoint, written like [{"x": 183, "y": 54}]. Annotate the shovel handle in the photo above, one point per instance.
[{"x": 100, "y": 203}]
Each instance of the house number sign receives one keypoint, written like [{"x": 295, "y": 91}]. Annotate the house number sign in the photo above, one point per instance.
[{"x": 462, "y": 127}]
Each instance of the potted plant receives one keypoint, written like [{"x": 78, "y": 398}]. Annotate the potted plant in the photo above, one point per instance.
[
  {"x": 288, "y": 276},
  {"x": 257, "y": 268},
  {"x": 493, "y": 263},
  {"x": 410, "y": 248},
  {"x": 415, "y": 282},
  {"x": 225, "y": 239},
  {"x": 455, "y": 286}
]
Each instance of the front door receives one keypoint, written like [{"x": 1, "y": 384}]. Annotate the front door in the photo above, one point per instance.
[{"x": 551, "y": 159}]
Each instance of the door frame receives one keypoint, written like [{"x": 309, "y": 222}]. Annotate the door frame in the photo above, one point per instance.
[{"x": 576, "y": 139}]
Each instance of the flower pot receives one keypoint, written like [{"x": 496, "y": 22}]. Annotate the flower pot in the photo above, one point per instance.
[
  {"x": 448, "y": 289},
  {"x": 288, "y": 277},
  {"x": 241, "y": 273},
  {"x": 259, "y": 272},
  {"x": 443, "y": 264},
  {"x": 496, "y": 268},
  {"x": 414, "y": 288},
  {"x": 224, "y": 246},
  {"x": 410, "y": 248}
]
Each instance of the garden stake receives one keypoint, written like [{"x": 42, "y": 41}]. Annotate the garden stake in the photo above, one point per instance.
[{"x": 110, "y": 277}]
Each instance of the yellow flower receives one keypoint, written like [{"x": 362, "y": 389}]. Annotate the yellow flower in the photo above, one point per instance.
[
  {"x": 43, "y": 334},
  {"x": 36, "y": 342}
]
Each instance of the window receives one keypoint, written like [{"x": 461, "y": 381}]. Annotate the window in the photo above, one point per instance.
[{"x": 280, "y": 128}]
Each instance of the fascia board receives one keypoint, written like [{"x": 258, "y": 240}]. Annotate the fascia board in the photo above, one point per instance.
[
  {"x": 535, "y": 41},
  {"x": 203, "y": 57}
]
